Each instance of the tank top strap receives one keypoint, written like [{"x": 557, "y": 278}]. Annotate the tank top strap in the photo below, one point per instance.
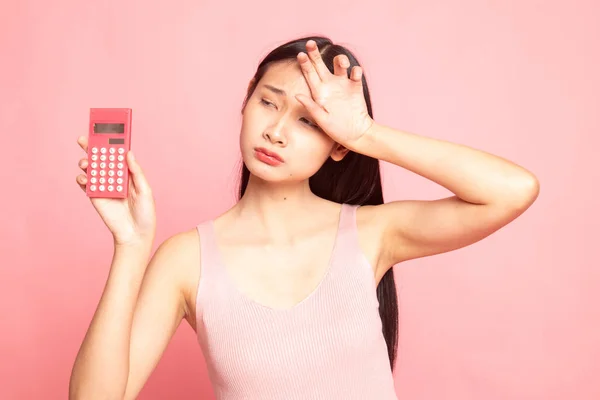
[
  {"x": 348, "y": 220},
  {"x": 209, "y": 254},
  {"x": 347, "y": 250},
  {"x": 346, "y": 239}
]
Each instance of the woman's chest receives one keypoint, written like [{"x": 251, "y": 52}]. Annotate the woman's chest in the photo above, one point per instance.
[{"x": 278, "y": 277}]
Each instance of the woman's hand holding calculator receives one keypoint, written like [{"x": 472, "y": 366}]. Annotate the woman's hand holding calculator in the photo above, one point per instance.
[{"x": 131, "y": 220}]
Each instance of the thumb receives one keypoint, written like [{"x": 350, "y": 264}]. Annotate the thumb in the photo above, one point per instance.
[
  {"x": 137, "y": 174},
  {"x": 315, "y": 110}
]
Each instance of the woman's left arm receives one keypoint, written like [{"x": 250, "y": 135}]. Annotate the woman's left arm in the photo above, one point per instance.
[{"x": 489, "y": 193}]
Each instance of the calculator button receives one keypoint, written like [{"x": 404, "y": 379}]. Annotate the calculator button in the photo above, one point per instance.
[
  {"x": 103, "y": 150},
  {"x": 102, "y": 172},
  {"x": 111, "y": 173},
  {"x": 119, "y": 180},
  {"x": 120, "y": 165},
  {"x": 102, "y": 180},
  {"x": 111, "y": 158},
  {"x": 93, "y": 172},
  {"x": 110, "y": 188},
  {"x": 121, "y": 150},
  {"x": 94, "y": 157},
  {"x": 102, "y": 165},
  {"x": 120, "y": 158},
  {"x": 94, "y": 150},
  {"x": 93, "y": 188},
  {"x": 111, "y": 165},
  {"x": 94, "y": 165},
  {"x": 120, "y": 173},
  {"x": 102, "y": 158},
  {"x": 93, "y": 180},
  {"x": 119, "y": 188},
  {"x": 112, "y": 150},
  {"x": 111, "y": 180},
  {"x": 101, "y": 188}
]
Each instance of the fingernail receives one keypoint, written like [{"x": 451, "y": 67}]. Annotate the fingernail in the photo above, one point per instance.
[{"x": 132, "y": 157}]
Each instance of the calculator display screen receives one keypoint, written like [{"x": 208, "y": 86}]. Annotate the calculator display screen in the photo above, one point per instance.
[{"x": 109, "y": 128}]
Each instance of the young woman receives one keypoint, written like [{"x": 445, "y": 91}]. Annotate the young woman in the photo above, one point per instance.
[{"x": 291, "y": 291}]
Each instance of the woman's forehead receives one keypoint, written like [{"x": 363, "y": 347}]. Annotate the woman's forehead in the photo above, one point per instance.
[{"x": 287, "y": 77}]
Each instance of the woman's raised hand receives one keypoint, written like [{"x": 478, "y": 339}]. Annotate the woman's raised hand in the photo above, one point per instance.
[{"x": 131, "y": 220}]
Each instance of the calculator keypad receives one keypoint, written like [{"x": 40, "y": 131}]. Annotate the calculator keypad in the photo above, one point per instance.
[{"x": 103, "y": 174}]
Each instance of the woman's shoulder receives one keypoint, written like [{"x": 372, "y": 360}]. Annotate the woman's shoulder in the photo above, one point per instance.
[
  {"x": 182, "y": 250},
  {"x": 181, "y": 243},
  {"x": 187, "y": 241},
  {"x": 367, "y": 217}
]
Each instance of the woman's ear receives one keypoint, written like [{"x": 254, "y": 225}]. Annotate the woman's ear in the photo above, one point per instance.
[{"x": 339, "y": 152}]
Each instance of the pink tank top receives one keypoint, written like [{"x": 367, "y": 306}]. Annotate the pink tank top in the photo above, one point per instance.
[{"x": 329, "y": 346}]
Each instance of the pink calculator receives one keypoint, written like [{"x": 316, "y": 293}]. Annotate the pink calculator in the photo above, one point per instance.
[{"x": 109, "y": 140}]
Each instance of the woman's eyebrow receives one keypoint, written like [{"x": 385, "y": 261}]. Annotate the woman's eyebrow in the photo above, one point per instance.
[{"x": 275, "y": 90}]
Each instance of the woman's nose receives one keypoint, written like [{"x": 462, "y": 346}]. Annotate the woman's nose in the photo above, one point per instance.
[{"x": 275, "y": 134}]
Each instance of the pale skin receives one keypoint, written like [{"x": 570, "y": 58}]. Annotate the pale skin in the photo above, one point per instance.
[{"x": 144, "y": 302}]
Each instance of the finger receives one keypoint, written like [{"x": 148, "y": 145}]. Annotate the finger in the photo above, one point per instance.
[
  {"x": 356, "y": 74},
  {"x": 137, "y": 174},
  {"x": 83, "y": 143},
  {"x": 315, "y": 56},
  {"x": 81, "y": 181},
  {"x": 83, "y": 164},
  {"x": 316, "y": 111},
  {"x": 340, "y": 65},
  {"x": 310, "y": 74}
]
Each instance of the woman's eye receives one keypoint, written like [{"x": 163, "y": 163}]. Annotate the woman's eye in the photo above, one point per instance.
[
  {"x": 309, "y": 123},
  {"x": 267, "y": 103},
  {"x": 306, "y": 121}
]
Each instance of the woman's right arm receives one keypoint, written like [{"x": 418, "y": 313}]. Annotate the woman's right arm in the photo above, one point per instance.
[
  {"x": 142, "y": 303},
  {"x": 136, "y": 317}
]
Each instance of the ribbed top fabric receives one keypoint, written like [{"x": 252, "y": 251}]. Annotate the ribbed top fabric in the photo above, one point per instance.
[{"x": 329, "y": 346}]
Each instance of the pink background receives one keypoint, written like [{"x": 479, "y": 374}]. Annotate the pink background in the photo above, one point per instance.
[{"x": 515, "y": 316}]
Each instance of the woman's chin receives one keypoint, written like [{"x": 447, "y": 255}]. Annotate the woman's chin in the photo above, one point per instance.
[
  {"x": 274, "y": 172},
  {"x": 266, "y": 172}
]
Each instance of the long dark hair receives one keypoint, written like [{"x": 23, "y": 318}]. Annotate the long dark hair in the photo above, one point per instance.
[{"x": 355, "y": 179}]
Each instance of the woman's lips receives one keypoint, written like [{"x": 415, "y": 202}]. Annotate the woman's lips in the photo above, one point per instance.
[{"x": 268, "y": 157}]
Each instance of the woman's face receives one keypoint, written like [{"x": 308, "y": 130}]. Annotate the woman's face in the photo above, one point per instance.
[{"x": 279, "y": 140}]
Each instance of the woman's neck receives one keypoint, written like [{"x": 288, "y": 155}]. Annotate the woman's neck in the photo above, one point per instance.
[{"x": 278, "y": 209}]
